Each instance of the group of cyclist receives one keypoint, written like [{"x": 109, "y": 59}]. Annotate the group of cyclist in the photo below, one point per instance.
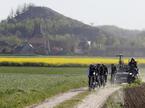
[{"x": 97, "y": 73}]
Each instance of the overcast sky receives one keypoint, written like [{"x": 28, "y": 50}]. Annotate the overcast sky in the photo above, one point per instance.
[{"x": 128, "y": 14}]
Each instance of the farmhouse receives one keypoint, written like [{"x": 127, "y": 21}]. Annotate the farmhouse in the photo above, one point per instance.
[{"x": 26, "y": 48}]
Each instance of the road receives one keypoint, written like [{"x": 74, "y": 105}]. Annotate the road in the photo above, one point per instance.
[
  {"x": 50, "y": 103},
  {"x": 93, "y": 100},
  {"x": 98, "y": 98}
]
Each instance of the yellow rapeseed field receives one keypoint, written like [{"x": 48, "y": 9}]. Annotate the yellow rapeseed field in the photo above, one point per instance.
[{"x": 67, "y": 60}]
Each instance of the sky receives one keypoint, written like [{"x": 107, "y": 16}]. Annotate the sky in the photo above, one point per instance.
[{"x": 128, "y": 14}]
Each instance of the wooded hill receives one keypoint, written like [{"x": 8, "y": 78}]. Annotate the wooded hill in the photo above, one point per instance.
[{"x": 40, "y": 30}]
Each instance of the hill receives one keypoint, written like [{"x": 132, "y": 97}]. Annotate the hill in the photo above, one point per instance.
[{"x": 44, "y": 31}]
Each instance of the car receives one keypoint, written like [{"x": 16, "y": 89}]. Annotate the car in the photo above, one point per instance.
[{"x": 122, "y": 71}]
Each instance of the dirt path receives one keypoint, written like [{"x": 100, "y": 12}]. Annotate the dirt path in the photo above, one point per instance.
[
  {"x": 50, "y": 103},
  {"x": 94, "y": 100},
  {"x": 98, "y": 98}
]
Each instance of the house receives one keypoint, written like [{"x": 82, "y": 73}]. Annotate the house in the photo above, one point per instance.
[
  {"x": 25, "y": 48},
  {"x": 82, "y": 47},
  {"x": 41, "y": 44}
]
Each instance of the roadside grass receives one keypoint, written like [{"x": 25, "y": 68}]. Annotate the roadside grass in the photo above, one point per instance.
[
  {"x": 116, "y": 100},
  {"x": 71, "y": 103},
  {"x": 136, "y": 83},
  {"x": 142, "y": 73},
  {"x": 24, "y": 86}
]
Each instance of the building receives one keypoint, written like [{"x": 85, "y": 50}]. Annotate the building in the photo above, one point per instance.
[{"x": 26, "y": 48}]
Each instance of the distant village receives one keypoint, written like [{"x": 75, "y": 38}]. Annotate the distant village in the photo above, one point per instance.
[
  {"x": 42, "y": 46},
  {"x": 35, "y": 47}
]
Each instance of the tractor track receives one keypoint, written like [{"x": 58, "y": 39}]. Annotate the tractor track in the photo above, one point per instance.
[
  {"x": 98, "y": 98},
  {"x": 52, "y": 102},
  {"x": 94, "y": 100}
]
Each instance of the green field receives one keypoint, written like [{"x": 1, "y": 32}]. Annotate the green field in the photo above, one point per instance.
[{"x": 23, "y": 86}]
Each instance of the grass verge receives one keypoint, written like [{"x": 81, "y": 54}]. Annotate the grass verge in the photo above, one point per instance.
[
  {"x": 116, "y": 100},
  {"x": 71, "y": 103},
  {"x": 136, "y": 83}
]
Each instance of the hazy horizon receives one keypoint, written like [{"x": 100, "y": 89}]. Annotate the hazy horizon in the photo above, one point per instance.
[{"x": 127, "y": 14}]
